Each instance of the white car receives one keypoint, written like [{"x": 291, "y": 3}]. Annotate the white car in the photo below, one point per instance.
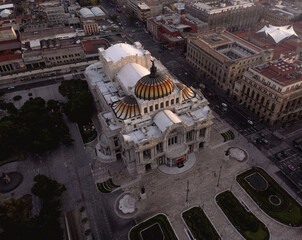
[
  {"x": 250, "y": 122},
  {"x": 224, "y": 105},
  {"x": 11, "y": 87}
]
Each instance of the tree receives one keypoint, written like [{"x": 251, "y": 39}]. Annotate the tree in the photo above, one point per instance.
[
  {"x": 80, "y": 101},
  {"x": 47, "y": 188}
]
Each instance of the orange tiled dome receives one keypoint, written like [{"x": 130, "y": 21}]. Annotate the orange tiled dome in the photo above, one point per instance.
[
  {"x": 126, "y": 108},
  {"x": 154, "y": 85},
  {"x": 186, "y": 92}
]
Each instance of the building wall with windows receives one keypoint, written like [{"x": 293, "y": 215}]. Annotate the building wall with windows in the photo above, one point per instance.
[
  {"x": 232, "y": 17},
  {"x": 273, "y": 91},
  {"x": 91, "y": 28},
  {"x": 223, "y": 57}
]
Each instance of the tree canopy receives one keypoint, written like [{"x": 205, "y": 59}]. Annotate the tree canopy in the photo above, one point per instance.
[
  {"x": 15, "y": 219},
  {"x": 79, "y": 107},
  {"x": 36, "y": 127}
]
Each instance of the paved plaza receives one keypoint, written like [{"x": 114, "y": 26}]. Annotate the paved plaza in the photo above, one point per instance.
[{"x": 167, "y": 193}]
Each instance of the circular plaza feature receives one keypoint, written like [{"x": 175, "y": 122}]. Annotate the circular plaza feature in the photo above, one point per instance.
[
  {"x": 237, "y": 153},
  {"x": 125, "y": 206},
  {"x": 10, "y": 181},
  {"x": 275, "y": 200}
]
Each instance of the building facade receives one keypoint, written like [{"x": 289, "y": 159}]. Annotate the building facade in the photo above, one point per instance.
[
  {"x": 232, "y": 16},
  {"x": 223, "y": 57},
  {"x": 273, "y": 91},
  {"x": 148, "y": 118},
  {"x": 90, "y": 27}
]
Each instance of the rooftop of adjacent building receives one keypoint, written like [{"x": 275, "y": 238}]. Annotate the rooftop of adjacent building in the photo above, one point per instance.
[
  {"x": 281, "y": 72},
  {"x": 44, "y": 33},
  {"x": 214, "y": 7},
  {"x": 174, "y": 20},
  {"x": 92, "y": 46},
  {"x": 226, "y": 46}
]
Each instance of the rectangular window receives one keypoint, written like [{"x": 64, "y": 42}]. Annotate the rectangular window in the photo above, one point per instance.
[
  {"x": 159, "y": 147},
  {"x": 172, "y": 101},
  {"x": 161, "y": 105},
  {"x": 202, "y": 132},
  {"x": 156, "y": 106},
  {"x": 177, "y": 100},
  {"x": 167, "y": 103},
  {"x": 145, "y": 110},
  {"x": 151, "y": 108}
]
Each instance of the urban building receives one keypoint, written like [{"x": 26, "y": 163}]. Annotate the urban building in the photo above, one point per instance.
[
  {"x": 90, "y": 27},
  {"x": 145, "y": 10},
  {"x": 230, "y": 15},
  {"x": 95, "y": 13},
  {"x": 277, "y": 16},
  {"x": 148, "y": 118},
  {"x": 50, "y": 52},
  {"x": 10, "y": 52},
  {"x": 223, "y": 57},
  {"x": 56, "y": 14},
  {"x": 273, "y": 91},
  {"x": 172, "y": 29}
]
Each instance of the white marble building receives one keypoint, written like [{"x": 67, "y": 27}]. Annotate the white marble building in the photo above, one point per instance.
[{"x": 148, "y": 117}]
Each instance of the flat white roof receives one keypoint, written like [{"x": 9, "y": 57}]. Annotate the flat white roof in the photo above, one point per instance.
[
  {"x": 121, "y": 50},
  {"x": 130, "y": 74},
  {"x": 6, "y": 6},
  {"x": 164, "y": 119},
  {"x": 141, "y": 135}
]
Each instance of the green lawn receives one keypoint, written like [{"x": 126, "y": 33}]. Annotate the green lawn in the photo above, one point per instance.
[
  {"x": 200, "y": 226},
  {"x": 289, "y": 212},
  {"x": 161, "y": 220},
  {"x": 249, "y": 226}
]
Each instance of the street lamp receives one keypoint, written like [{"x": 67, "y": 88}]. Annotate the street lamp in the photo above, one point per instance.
[
  {"x": 187, "y": 192},
  {"x": 219, "y": 176}
]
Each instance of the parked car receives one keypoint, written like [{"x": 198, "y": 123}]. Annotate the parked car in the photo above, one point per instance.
[
  {"x": 291, "y": 167},
  {"x": 250, "y": 122}
]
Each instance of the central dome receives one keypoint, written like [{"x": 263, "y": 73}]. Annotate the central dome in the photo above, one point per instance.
[{"x": 153, "y": 86}]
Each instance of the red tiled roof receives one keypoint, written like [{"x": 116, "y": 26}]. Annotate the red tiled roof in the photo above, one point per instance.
[
  {"x": 91, "y": 46},
  {"x": 280, "y": 72},
  {"x": 4, "y": 57}
]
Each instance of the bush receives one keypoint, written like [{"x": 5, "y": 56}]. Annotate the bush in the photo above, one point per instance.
[
  {"x": 85, "y": 220},
  {"x": 87, "y": 232},
  {"x": 82, "y": 209},
  {"x": 17, "y": 98}
]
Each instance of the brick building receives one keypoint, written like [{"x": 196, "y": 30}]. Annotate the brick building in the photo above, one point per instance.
[{"x": 172, "y": 29}]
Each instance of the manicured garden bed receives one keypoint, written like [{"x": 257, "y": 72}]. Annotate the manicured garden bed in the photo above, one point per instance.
[
  {"x": 87, "y": 131},
  {"x": 107, "y": 186},
  {"x": 165, "y": 228},
  {"x": 246, "y": 223},
  {"x": 287, "y": 211},
  {"x": 228, "y": 135},
  {"x": 199, "y": 225}
]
